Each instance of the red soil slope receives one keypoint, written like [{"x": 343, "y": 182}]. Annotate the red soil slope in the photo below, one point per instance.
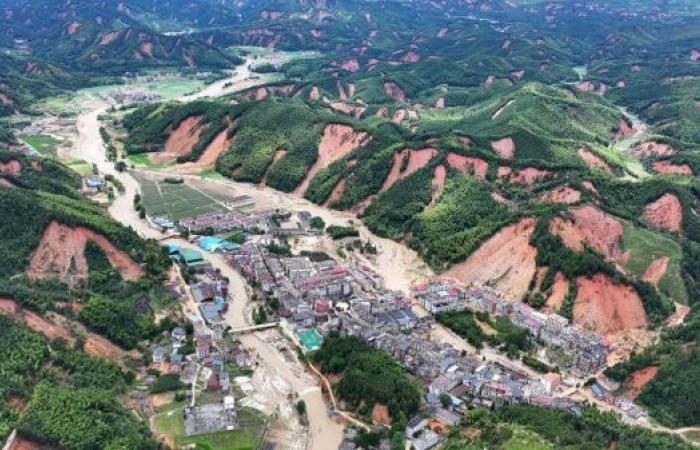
[
  {"x": 592, "y": 160},
  {"x": 666, "y": 213},
  {"x": 336, "y": 193},
  {"x": 12, "y": 166},
  {"x": 667, "y": 167},
  {"x": 466, "y": 164},
  {"x": 656, "y": 270},
  {"x": 394, "y": 91},
  {"x": 505, "y": 148},
  {"x": 336, "y": 142},
  {"x": 279, "y": 154},
  {"x": 506, "y": 260},
  {"x": 180, "y": 140},
  {"x": 607, "y": 307},
  {"x": 653, "y": 149},
  {"x": 636, "y": 381},
  {"x": 527, "y": 176},
  {"x": 559, "y": 290},
  {"x": 561, "y": 194},
  {"x": 592, "y": 227},
  {"x": 439, "y": 176},
  {"x": 215, "y": 148},
  {"x": 417, "y": 159},
  {"x": 61, "y": 253}
]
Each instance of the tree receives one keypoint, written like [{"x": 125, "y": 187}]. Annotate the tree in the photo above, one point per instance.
[
  {"x": 317, "y": 223},
  {"x": 301, "y": 407},
  {"x": 120, "y": 166},
  {"x": 445, "y": 399}
]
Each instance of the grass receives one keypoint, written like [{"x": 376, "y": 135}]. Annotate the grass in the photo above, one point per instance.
[
  {"x": 143, "y": 160},
  {"x": 170, "y": 421},
  {"x": 646, "y": 245},
  {"x": 176, "y": 201},
  {"x": 42, "y": 143},
  {"x": 526, "y": 440},
  {"x": 80, "y": 166}
]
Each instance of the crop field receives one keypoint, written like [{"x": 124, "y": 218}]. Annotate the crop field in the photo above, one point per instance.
[
  {"x": 252, "y": 424},
  {"x": 42, "y": 143},
  {"x": 176, "y": 201},
  {"x": 80, "y": 166}
]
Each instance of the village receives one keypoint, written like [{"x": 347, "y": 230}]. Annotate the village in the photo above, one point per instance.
[{"x": 305, "y": 297}]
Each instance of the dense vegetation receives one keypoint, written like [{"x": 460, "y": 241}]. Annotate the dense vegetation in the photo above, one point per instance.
[
  {"x": 70, "y": 395},
  {"x": 369, "y": 376}
]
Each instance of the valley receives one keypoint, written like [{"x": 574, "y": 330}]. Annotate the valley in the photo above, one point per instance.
[{"x": 319, "y": 225}]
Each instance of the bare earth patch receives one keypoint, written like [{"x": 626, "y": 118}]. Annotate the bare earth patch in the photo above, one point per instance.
[
  {"x": 607, "y": 307},
  {"x": 559, "y": 290},
  {"x": 589, "y": 226},
  {"x": 394, "y": 91},
  {"x": 656, "y": 270},
  {"x": 380, "y": 415},
  {"x": 336, "y": 142},
  {"x": 351, "y": 65},
  {"x": 695, "y": 54},
  {"x": 399, "y": 116},
  {"x": 61, "y": 253},
  {"x": 180, "y": 140},
  {"x": 501, "y": 109},
  {"x": 636, "y": 381},
  {"x": 5, "y": 183},
  {"x": 417, "y": 159},
  {"x": 466, "y": 164},
  {"x": 336, "y": 193},
  {"x": 506, "y": 260},
  {"x": 440, "y": 103},
  {"x": 215, "y": 148},
  {"x": 352, "y": 110},
  {"x": 528, "y": 175},
  {"x": 12, "y": 166},
  {"x": 624, "y": 130},
  {"x": 279, "y": 154},
  {"x": 669, "y": 168},
  {"x": 653, "y": 149},
  {"x": 561, "y": 194},
  {"x": 438, "y": 183},
  {"x": 314, "y": 93},
  {"x": 505, "y": 148},
  {"x": 666, "y": 213},
  {"x": 592, "y": 160}
]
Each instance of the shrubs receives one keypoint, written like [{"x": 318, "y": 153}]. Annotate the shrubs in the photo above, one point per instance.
[
  {"x": 337, "y": 232},
  {"x": 166, "y": 383}
]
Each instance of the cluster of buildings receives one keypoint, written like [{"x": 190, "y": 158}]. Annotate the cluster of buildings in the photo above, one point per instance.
[
  {"x": 128, "y": 96},
  {"x": 605, "y": 389},
  {"x": 276, "y": 223},
  {"x": 589, "y": 351}
]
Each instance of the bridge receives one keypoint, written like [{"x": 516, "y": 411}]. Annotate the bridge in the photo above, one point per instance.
[{"x": 253, "y": 328}]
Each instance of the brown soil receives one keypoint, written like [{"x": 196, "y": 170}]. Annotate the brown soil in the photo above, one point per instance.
[
  {"x": 624, "y": 130},
  {"x": 561, "y": 194},
  {"x": 594, "y": 228},
  {"x": 341, "y": 91},
  {"x": 559, "y": 290},
  {"x": 505, "y": 148},
  {"x": 588, "y": 185},
  {"x": 518, "y": 74},
  {"x": 12, "y": 166},
  {"x": 351, "y": 88},
  {"x": 381, "y": 112},
  {"x": 466, "y": 141},
  {"x": 215, "y": 148},
  {"x": 489, "y": 81},
  {"x": 506, "y": 261},
  {"x": 346, "y": 108},
  {"x": 279, "y": 154},
  {"x": 351, "y": 65},
  {"x": 5, "y": 183},
  {"x": 336, "y": 193},
  {"x": 592, "y": 160},
  {"x": 314, "y": 94},
  {"x": 653, "y": 149},
  {"x": 16, "y": 403},
  {"x": 380, "y": 415},
  {"x": 695, "y": 54},
  {"x": 21, "y": 443},
  {"x": 399, "y": 116},
  {"x": 667, "y": 167},
  {"x": 146, "y": 49},
  {"x": 636, "y": 381},
  {"x": 586, "y": 86},
  {"x": 656, "y": 270},
  {"x": 501, "y": 199},
  {"x": 180, "y": 140},
  {"x": 394, "y": 91},
  {"x": 607, "y": 307},
  {"x": 438, "y": 182},
  {"x": 503, "y": 173},
  {"x": 410, "y": 57},
  {"x": 36, "y": 164},
  {"x": 61, "y": 253},
  {"x": 465, "y": 164},
  {"x": 528, "y": 175},
  {"x": 336, "y": 142},
  {"x": 109, "y": 37},
  {"x": 666, "y": 213},
  {"x": 417, "y": 159},
  {"x": 73, "y": 27},
  {"x": 440, "y": 103}
]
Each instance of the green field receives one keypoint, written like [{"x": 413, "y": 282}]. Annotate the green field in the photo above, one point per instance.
[
  {"x": 80, "y": 166},
  {"x": 526, "y": 440},
  {"x": 171, "y": 422},
  {"x": 646, "y": 245},
  {"x": 176, "y": 201},
  {"x": 42, "y": 143}
]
